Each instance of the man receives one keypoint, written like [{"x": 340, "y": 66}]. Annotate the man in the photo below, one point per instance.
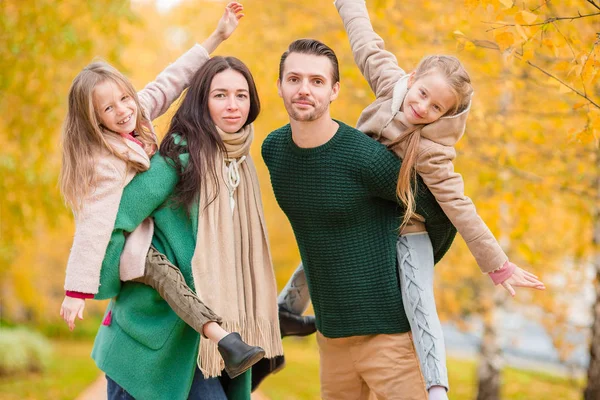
[{"x": 337, "y": 187}]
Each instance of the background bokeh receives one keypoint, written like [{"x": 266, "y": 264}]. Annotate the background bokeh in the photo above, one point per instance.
[{"x": 530, "y": 160}]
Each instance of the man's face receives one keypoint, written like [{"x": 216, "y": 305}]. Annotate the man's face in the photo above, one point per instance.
[{"x": 307, "y": 87}]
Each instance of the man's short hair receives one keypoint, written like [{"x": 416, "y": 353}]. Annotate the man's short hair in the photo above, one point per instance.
[{"x": 312, "y": 47}]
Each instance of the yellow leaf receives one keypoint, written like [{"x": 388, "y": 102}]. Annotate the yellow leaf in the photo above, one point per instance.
[
  {"x": 525, "y": 18},
  {"x": 469, "y": 46},
  {"x": 528, "y": 53},
  {"x": 529, "y": 18},
  {"x": 507, "y": 3},
  {"x": 458, "y": 34},
  {"x": 505, "y": 40},
  {"x": 521, "y": 31},
  {"x": 562, "y": 89}
]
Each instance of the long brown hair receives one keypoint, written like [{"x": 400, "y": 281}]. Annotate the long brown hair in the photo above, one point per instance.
[
  {"x": 193, "y": 131},
  {"x": 460, "y": 83},
  {"x": 83, "y": 134}
]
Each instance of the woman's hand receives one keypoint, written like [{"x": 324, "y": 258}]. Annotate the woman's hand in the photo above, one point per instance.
[
  {"x": 230, "y": 20},
  {"x": 72, "y": 307}
]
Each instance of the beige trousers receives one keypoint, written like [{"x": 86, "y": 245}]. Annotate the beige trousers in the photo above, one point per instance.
[{"x": 383, "y": 367}]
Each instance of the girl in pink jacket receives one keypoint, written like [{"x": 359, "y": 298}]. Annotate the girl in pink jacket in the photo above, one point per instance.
[
  {"x": 420, "y": 116},
  {"x": 108, "y": 137}
]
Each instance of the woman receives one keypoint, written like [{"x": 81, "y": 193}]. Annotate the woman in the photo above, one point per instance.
[{"x": 202, "y": 192}]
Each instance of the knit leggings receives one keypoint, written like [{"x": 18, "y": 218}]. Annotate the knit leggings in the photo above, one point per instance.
[
  {"x": 415, "y": 269},
  {"x": 168, "y": 281}
]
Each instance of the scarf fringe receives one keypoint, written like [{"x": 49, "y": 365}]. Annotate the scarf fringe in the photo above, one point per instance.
[{"x": 261, "y": 332}]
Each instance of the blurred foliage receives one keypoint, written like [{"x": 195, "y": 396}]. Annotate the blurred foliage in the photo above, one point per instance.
[
  {"x": 69, "y": 372},
  {"x": 23, "y": 351},
  {"x": 45, "y": 44},
  {"x": 529, "y": 156}
]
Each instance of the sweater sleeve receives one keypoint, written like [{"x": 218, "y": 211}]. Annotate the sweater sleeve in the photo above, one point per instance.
[
  {"x": 437, "y": 171},
  {"x": 147, "y": 192},
  {"x": 382, "y": 173},
  {"x": 158, "y": 95},
  {"x": 378, "y": 66},
  {"x": 93, "y": 225}
]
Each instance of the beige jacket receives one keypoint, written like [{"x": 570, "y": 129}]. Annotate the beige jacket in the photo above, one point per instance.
[
  {"x": 95, "y": 221},
  {"x": 384, "y": 121}
]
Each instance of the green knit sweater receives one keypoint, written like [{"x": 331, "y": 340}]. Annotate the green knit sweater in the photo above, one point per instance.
[
  {"x": 147, "y": 348},
  {"x": 340, "y": 198}
]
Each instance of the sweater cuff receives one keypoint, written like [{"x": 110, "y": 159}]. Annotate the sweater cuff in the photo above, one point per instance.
[
  {"x": 500, "y": 275},
  {"x": 78, "y": 295}
]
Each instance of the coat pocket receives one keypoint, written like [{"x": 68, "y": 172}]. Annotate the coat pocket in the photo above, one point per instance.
[{"x": 143, "y": 315}]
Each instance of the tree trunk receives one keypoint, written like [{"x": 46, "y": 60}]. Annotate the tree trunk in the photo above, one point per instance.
[
  {"x": 490, "y": 354},
  {"x": 592, "y": 391},
  {"x": 490, "y": 357}
]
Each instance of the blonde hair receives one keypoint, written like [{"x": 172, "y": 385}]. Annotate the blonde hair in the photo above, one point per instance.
[
  {"x": 83, "y": 134},
  {"x": 460, "y": 84}
]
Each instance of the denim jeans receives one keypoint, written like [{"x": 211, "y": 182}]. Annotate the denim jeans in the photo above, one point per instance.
[{"x": 202, "y": 389}]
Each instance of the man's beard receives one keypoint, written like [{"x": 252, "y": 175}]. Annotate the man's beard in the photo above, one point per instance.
[{"x": 315, "y": 114}]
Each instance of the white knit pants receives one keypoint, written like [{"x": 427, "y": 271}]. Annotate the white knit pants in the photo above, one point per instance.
[{"x": 415, "y": 267}]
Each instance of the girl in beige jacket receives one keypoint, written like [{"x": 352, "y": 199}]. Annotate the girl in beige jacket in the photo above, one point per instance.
[
  {"x": 108, "y": 137},
  {"x": 420, "y": 116}
]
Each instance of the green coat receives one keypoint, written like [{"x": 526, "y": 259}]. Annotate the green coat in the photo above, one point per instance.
[{"x": 147, "y": 349}]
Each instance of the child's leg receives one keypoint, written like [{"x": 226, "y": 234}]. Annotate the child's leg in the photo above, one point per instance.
[
  {"x": 168, "y": 281},
  {"x": 293, "y": 301},
  {"x": 295, "y": 297},
  {"x": 415, "y": 261}
]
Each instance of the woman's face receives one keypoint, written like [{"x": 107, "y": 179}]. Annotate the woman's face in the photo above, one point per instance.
[{"x": 229, "y": 100}]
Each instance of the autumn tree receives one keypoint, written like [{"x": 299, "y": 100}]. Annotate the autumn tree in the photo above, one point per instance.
[
  {"x": 557, "y": 42},
  {"x": 44, "y": 45}
]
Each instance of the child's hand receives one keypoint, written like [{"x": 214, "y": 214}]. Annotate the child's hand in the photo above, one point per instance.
[
  {"x": 522, "y": 278},
  {"x": 72, "y": 307},
  {"x": 230, "y": 19}
]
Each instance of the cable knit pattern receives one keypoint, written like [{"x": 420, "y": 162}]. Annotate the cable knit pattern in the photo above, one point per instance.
[{"x": 341, "y": 202}]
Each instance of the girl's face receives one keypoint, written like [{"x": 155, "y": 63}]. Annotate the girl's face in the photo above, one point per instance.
[
  {"x": 428, "y": 99},
  {"x": 229, "y": 100},
  {"x": 115, "y": 108}
]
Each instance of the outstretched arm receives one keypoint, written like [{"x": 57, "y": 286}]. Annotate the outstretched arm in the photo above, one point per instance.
[
  {"x": 437, "y": 170},
  {"x": 378, "y": 66},
  {"x": 227, "y": 24},
  {"x": 158, "y": 95}
]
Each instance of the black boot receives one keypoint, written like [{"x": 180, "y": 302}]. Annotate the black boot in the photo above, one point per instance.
[
  {"x": 238, "y": 355},
  {"x": 295, "y": 325},
  {"x": 264, "y": 368}
]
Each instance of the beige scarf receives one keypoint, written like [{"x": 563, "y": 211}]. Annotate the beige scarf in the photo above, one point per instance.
[{"x": 232, "y": 267}]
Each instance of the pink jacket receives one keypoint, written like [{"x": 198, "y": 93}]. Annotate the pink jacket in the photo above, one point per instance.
[
  {"x": 384, "y": 121},
  {"x": 95, "y": 221}
]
